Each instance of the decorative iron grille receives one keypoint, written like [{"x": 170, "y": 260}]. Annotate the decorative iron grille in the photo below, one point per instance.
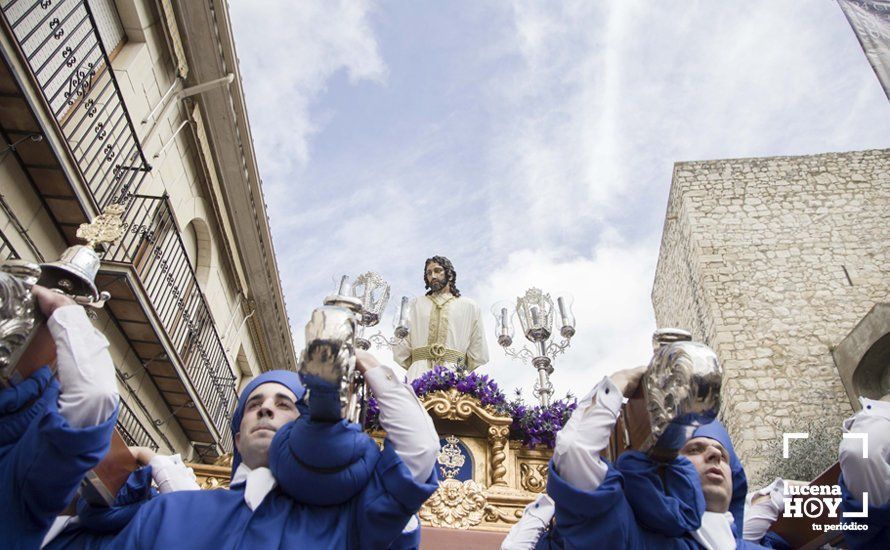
[
  {"x": 133, "y": 432},
  {"x": 7, "y": 252},
  {"x": 62, "y": 45},
  {"x": 153, "y": 246}
]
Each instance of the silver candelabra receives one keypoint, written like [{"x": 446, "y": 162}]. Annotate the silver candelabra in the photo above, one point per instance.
[
  {"x": 535, "y": 312},
  {"x": 373, "y": 292}
]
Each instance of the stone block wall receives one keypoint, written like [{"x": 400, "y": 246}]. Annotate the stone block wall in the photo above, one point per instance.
[{"x": 772, "y": 261}]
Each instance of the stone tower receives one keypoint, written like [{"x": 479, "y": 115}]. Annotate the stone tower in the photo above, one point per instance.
[{"x": 772, "y": 262}]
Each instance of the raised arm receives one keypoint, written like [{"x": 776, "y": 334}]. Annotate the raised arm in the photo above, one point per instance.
[
  {"x": 408, "y": 426},
  {"x": 72, "y": 421},
  {"x": 525, "y": 534},
  {"x": 861, "y": 474},
  {"x": 586, "y": 434},
  {"x": 85, "y": 369}
]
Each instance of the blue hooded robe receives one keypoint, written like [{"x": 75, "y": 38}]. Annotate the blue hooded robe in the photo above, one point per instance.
[
  {"x": 42, "y": 458},
  {"x": 878, "y": 521},
  {"x": 336, "y": 489},
  {"x": 97, "y": 526},
  {"x": 642, "y": 503}
]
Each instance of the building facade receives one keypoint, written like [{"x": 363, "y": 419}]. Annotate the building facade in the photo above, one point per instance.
[
  {"x": 139, "y": 103},
  {"x": 773, "y": 262}
]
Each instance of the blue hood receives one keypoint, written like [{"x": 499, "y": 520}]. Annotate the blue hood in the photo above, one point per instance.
[
  {"x": 717, "y": 431},
  {"x": 286, "y": 378}
]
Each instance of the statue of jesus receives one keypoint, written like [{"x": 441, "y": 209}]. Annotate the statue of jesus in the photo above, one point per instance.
[{"x": 446, "y": 328}]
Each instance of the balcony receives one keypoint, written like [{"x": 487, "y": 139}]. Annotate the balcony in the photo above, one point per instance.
[
  {"x": 62, "y": 46},
  {"x": 57, "y": 83},
  {"x": 160, "y": 308}
]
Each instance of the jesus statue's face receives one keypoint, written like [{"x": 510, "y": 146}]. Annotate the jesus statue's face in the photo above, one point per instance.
[{"x": 435, "y": 277}]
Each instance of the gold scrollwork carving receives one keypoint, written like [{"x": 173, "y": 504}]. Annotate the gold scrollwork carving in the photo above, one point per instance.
[
  {"x": 493, "y": 514},
  {"x": 533, "y": 477},
  {"x": 105, "y": 229},
  {"x": 454, "y": 405},
  {"x": 224, "y": 460},
  {"x": 497, "y": 440},
  {"x": 455, "y": 504},
  {"x": 215, "y": 483}
]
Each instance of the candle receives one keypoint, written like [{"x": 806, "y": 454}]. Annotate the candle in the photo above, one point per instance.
[
  {"x": 403, "y": 312},
  {"x": 536, "y": 317},
  {"x": 505, "y": 320},
  {"x": 344, "y": 286},
  {"x": 563, "y": 312}
]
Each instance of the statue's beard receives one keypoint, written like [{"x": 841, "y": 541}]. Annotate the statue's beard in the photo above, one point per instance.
[{"x": 437, "y": 285}]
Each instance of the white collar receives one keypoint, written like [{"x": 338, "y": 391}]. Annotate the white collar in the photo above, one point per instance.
[
  {"x": 715, "y": 532},
  {"x": 257, "y": 483}
]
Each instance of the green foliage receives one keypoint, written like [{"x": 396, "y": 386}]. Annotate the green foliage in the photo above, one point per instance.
[{"x": 807, "y": 457}]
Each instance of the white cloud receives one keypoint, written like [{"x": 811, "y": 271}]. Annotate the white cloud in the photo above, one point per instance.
[
  {"x": 532, "y": 143},
  {"x": 606, "y": 96},
  {"x": 614, "y": 318},
  {"x": 288, "y": 51}
]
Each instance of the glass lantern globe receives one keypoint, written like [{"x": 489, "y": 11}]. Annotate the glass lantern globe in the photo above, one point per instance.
[
  {"x": 535, "y": 311},
  {"x": 503, "y": 312},
  {"x": 564, "y": 303},
  {"x": 401, "y": 319}
]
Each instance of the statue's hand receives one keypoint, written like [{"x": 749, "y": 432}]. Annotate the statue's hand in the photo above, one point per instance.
[
  {"x": 365, "y": 361},
  {"x": 627, "y": 380}
]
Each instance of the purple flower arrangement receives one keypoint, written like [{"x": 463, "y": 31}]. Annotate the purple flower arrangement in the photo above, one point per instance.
[
  {"x": 538, "y": 425},
  {"x": 532, "y": 425}
]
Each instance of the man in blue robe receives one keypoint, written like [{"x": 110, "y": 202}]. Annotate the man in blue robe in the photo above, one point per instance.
[
  {"x": 54, "y": 430},
  {"x": 693, "y": 501},
  {"x": 299, "y": 483},
  {"x": 94, "y": 527}
]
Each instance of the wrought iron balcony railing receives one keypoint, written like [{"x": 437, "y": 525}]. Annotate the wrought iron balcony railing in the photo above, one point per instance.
[
  {"x": 7, "y": 252},
  {"x": 133, "y": 432},
  {"x": 153, "y": 247},
  {"x": 63, "y": 47}
]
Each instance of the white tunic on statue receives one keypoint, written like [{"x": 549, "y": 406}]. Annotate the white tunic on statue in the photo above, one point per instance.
[{"x": 459, "y": 328}]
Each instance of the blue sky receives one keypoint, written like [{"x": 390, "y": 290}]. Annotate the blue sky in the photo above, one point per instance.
[{"x": 532, "y": 143}]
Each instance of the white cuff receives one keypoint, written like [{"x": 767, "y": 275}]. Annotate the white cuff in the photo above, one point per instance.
[
  {"x": 531, "y": 526},
  {"x": 759, "y": 517},
  {"x": 412, "y": 524},
  {"x": 171, "y": 474},
  {"x": 86, "y": 373},
  {"x": 408, "y": 426}
]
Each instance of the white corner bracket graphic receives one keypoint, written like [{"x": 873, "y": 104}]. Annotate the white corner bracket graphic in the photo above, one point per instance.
[
  {"x": 864, "y": 512},
  {"x": 863, "y": 437},
  {"x": 788, "y": 436}
]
